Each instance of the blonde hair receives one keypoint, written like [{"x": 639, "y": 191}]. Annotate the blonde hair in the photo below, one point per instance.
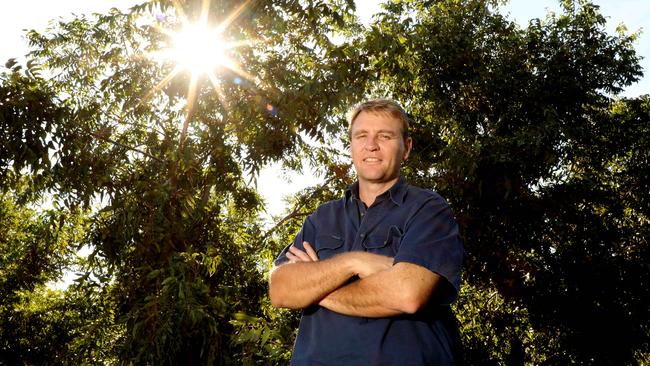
[{"x": 387, "y": 106}]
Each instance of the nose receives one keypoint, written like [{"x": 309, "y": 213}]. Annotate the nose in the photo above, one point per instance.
[{"x": 371, "y": 144}]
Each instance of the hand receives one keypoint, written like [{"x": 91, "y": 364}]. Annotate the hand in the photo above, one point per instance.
[
  {"x": 369, "y": 263},
  {"x": 296, "y": 255}
]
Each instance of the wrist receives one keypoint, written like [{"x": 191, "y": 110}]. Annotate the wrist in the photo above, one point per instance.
[
  {"x": 356, "y": 262},
  {"x": 351, "y": 263}
]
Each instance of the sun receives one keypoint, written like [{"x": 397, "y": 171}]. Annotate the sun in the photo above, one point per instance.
[{"x": 199, "y": 48}]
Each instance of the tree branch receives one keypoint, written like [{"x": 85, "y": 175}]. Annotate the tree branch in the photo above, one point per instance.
[
  {"x": 296, "y": 210},
  {"x": 103, "y": 138}
]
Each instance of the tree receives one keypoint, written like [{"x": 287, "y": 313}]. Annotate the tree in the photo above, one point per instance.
[
  {"x": 172, "y": 223},
  {"x": 519, "y": 129},
  {"x": 545, "y": 170},
  {"x": 36, "y": 325}
]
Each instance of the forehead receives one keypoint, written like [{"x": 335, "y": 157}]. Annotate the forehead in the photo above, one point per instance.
[{"x": 368, "y": 120}]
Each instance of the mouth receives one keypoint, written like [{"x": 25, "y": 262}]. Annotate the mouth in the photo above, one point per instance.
[{"x": 371, "y": 160}]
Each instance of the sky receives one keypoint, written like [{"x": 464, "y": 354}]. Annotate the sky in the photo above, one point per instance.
[{"x": 16, "y": 16}]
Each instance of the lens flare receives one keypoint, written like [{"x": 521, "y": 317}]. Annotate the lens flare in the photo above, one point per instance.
[{"x": 198, "y": 48}]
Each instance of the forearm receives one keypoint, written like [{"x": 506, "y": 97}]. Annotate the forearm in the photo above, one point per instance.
[
  {"x": 403, "y": 289},
  {"x": 298, "y": 285},
  {"x": 366, "y": 297}
]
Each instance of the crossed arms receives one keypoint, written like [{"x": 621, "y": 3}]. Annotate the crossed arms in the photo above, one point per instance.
[{"x": 383, "y": 289}]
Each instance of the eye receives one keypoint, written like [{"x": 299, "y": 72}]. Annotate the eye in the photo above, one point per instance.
[{"x": 385, "y": 136}]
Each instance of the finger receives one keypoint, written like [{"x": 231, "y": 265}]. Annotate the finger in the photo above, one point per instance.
[
  {"x": 310, "y": 251},
  {"x": 387, "y": 263},
  {"x": 292, "y": 258},
  {"x": 299, "y": 254}
]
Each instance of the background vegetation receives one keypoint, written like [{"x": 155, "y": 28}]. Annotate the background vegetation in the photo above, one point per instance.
[{"x": 519, "y": 128}]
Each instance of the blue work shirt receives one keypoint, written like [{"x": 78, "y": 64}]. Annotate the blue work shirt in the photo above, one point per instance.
[{"x": 412, "y": 225}]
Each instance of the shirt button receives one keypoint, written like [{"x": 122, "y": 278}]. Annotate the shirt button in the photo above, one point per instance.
[{"x": 362, "y": 236}]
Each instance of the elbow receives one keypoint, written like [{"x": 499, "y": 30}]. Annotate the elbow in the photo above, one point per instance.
[
  {"x": 411, "y": 307},
  {"x": 412, "y": 301},
  {"x": 275, "y": 293},
  {"x": 276, "y": 299},
  {"x": 279, "y": 295},
  {"x": 279, "y": 300},
  {"x": 415, "y": 289}
]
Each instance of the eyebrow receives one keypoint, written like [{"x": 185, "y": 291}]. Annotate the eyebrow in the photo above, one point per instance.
[{"x": 389, "y": 132}]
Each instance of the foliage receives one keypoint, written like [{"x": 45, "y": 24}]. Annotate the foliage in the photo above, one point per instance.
[
  {"x": 36, "y": 324},
  {"x": 519, "y": 128},
  {"x": 173, "y": 225},
  {"x": 546, "y": 172}
]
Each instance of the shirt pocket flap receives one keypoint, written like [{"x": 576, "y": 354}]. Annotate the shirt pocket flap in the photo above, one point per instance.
[
  {"x": 328, "y": 245},
  {"x": 379, "y": 241}
]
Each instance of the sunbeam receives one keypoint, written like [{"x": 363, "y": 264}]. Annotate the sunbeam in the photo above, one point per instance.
[{"x": 199, "y": 48}]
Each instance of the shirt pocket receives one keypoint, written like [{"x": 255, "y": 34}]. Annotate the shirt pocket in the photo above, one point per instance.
[
  {"x": 384, "y": 243},
  {"x": 328, "y": 246}
]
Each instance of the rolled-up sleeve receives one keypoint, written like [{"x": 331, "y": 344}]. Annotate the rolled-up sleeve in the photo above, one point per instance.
[{"x": 431, "y": 240}]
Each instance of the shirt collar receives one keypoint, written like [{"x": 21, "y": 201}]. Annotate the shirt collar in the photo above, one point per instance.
[{"x": 396, "y": 193}]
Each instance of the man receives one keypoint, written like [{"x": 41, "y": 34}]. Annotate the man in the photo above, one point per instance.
[{"x": 375, "y": 271}]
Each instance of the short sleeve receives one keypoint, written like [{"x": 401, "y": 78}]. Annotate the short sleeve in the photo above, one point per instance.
[
  {"x": 431, "y": 240},
  {"x": 307, "y": 233}
]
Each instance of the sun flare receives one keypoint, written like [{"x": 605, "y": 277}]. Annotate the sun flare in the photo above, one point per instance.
[{"x": 198, "y": 49}]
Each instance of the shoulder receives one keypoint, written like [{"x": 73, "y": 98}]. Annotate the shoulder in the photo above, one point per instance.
[
  {"x": 416, "y": 194},
  {"x": 425, "y": 204},
  {"x": 327, "y": 209}
]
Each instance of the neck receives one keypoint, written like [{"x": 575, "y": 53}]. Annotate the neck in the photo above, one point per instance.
[{"x": 368, "y": 191}]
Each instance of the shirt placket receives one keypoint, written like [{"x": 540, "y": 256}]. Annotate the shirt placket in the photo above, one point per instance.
[{"x": 369, "y": 220}]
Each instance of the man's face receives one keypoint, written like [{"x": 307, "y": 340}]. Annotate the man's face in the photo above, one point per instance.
[{"x": 377, "y": 147}]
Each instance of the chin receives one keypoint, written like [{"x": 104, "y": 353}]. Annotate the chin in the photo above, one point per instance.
[{"x": 377, "y": 179}]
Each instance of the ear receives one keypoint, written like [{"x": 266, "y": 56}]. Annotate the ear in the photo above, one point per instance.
[{"x": 408, "y": 145}]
